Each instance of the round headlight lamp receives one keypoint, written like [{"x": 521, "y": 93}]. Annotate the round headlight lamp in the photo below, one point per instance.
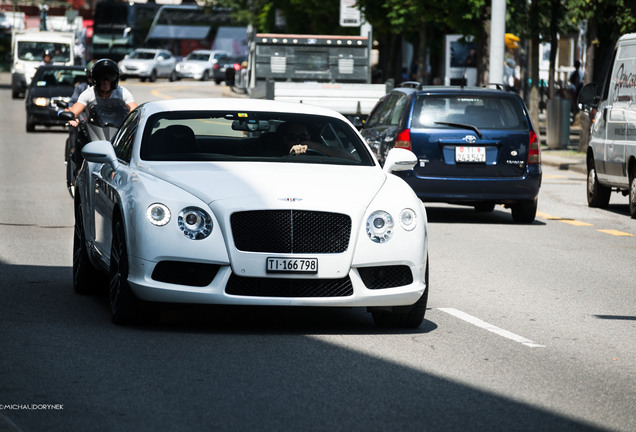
[
  {"x": 194, "y": 223},
  {"x": 380, "y": 226},
  {"x": 158, "y": 214},
  {"x": 408, "y": 219}
]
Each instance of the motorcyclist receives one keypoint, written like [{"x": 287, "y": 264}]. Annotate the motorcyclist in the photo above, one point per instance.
[
  {"x": 105, "y": 75},
  {"x": 105, "y": 84}
]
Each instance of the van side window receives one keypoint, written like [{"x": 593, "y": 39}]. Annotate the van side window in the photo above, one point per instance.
[{"x": 608, "y": 78}]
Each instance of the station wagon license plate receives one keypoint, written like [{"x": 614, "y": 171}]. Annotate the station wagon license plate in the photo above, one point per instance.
[
  {"x": 470, "y": 154},
  {"x": 292, "y": 265}
]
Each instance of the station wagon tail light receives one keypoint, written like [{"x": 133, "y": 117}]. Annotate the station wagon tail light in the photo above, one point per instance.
[
  {"x": 403, "y": 140},
  {"x": 534, "y": 153}
]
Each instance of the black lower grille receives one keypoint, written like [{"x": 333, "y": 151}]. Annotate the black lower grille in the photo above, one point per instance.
[
  {"x": 291, "y": 231},
  {"x": 185, "y": 273},
  {"x": 386, "y": 276},
  {"x": 276, "y": 287}
]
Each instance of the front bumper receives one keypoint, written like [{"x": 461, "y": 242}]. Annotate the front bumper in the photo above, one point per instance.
[
  {"x": 44, "y": 116},
  {"x": 356, "y": 294}
]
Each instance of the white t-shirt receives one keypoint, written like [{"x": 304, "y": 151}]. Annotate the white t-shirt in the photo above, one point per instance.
[{"x": 120, "y": 92}]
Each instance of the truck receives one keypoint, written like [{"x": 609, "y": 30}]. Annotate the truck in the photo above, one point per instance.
[
  {"x": 28, "y": 48},
  {"x": 329, "y": 71}
]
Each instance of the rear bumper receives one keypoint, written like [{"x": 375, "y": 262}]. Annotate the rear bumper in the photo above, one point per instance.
[{"x": 498, "y": 190}]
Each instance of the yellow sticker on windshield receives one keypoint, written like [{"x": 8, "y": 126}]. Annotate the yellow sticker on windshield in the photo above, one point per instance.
[{"x": 242, "y": 114}]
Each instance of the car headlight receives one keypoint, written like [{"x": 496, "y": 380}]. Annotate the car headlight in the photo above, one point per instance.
[
  {"x": 408, "y": 219},
  {"x": 158, "y": 214},
  {"x": 41, "y": 101},
  {"x": 194, "y": 223},
  {"x": 380, "y": 226}
]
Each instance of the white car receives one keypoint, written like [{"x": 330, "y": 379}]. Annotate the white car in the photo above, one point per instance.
[
  {"x": 148, "y": 64},
  {"x": 198, "y": 64},
  {"x": 204, "y": 201}
]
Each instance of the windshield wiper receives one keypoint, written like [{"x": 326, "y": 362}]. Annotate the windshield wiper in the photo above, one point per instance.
[{"x": 461, "y": 125}]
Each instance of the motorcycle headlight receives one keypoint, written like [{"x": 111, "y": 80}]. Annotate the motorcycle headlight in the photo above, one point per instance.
[
  {"x": 380, "y": 226},
  {"x": 408, "y": 219},
  {"x": 41, "y": 101},
  {"x": 195, "y": 223},
  {"x": 158, "y": 214}
]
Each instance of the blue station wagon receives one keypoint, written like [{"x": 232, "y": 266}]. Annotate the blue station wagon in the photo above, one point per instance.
[{"x": 475, "y": 146}]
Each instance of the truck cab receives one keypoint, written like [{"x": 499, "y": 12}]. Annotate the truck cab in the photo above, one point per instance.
[{"x": 28, "y": 48}]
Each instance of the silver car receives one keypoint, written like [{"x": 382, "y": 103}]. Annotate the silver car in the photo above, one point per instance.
[
  {"x": 198, "y": 64},
  {"x": 150, "y": 64}
]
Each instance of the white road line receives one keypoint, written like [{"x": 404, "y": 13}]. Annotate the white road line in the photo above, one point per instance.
[{"x": 491, "y": 328}]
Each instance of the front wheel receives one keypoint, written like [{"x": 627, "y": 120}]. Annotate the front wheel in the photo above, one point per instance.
[
  {"x": 173, "y": 76},
  {"x": 153, "y": 76},
  {"x": 86, "y": 278},
  {"x": 597, "y": 194},
  {"x": 30, "y": 124},
  {"x": 632, "y": 192},
  {"x": 206, "y": 76},
  {"x": 404, "y": 316},
  {"x": 524, "y": 212},
  {"x": 124, "y": 306}
]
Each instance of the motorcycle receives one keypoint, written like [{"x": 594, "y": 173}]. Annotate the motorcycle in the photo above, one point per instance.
[{"x": 100, "y": 121}]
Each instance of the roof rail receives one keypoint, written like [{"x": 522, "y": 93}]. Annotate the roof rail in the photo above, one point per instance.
[
  {"x": 499, "y": 86},
  {"x": 411, "y": 84}
]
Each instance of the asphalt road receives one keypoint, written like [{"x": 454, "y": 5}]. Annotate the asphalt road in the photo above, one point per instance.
[{"x": 528, "y": 328}]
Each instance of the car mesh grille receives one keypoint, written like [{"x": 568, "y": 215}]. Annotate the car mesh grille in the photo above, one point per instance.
[
  {"x": 291, "y": 231},
  {"x": 185, "y": 273},
  {"x": 278, "y": 287},
  {"x": 386, "y": 276}
]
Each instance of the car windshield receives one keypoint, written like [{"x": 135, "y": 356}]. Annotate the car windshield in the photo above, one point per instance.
[
  {"x": 45, "y": 77},
  {"x": 481, "y": 111},
  {"x": 34, "y": 51},
  {"x": 199, "y": 56},
  {"x": 142, "y": 55},
  {"x": 254, "y": 136}
]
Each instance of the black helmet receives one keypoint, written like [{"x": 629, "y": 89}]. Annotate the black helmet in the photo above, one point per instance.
[{"x": 105, "y": 69}]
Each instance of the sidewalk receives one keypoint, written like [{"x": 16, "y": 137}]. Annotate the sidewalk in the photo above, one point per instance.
[{"x": 567, "y": 158}]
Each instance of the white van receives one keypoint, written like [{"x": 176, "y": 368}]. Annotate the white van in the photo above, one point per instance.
[
  {"x": 28, "y": 47},
  {"x": 611, "y": 153}
]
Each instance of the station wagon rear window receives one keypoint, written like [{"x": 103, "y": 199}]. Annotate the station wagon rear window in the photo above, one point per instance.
[{"x": 484, "y": 112}]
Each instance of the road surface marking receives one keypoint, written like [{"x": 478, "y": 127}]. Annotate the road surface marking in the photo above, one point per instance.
[
  {"x": 615, "y": 232},
  {"x": 491, "y": 328}
]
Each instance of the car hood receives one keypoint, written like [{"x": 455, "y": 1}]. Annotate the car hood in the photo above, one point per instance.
[
  {"x": 136, "y": 62},
  {"x": 274, "y": 185}
]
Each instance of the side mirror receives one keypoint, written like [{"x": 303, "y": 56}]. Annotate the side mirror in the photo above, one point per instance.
[
  {"x": 66, "y": 115},
  {"x": 399, "y": 159},
  {"x": 587, "y": 99},
  {"x": 357, "y": 122},
  {"x": 101, "y": 152}
]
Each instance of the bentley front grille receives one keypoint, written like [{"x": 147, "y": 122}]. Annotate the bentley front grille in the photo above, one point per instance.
[{"x": 291, "y": 231}]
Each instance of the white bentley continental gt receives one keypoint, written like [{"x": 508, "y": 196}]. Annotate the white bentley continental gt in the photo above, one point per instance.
[{"x": 248, "y": 202}]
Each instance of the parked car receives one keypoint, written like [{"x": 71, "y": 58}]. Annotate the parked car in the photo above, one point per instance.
[
  {"x": 475, "y": 146},
  {"x": 208, "y": 203},
  {"x": 198, "y": 64},
  {"x": 148, "y": 64},
  {"x": 50, "y": 86},
  {"x": 611, "y": 153}
]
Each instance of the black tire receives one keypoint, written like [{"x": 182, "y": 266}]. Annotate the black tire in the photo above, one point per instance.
[
  {"x": 30, "y": 125},
  {"x": 404, "y": 316},
  {"x": 15, "y": 93},
  {"x": 206, "y": 76},
  {"x": 124, "y": 306},
  {"x": 632, "y": 192},
  {"x": 597, "y": 194},
  {"x": 153, "y": 76},
  {"x": 484, "y": 207},
  {"x": 173, "y": 76},
  {"x": 86, "y": 278},
  {"x": 524, "y": 212},
  {"x": 218, "y": 81}
]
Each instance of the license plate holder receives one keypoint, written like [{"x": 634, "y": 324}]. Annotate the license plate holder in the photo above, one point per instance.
[
  {"x": 470, "y": 154},
  {"x": 291, "y": 265}
]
